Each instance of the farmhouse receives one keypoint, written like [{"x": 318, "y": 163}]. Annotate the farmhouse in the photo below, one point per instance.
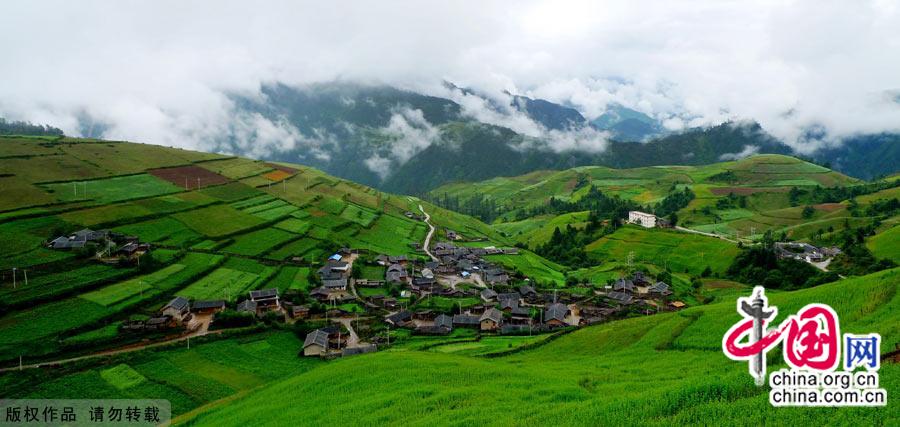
[
  {"x": 491, "y": 320},
  {"x": 396, "y": 273},
  {"x": 177, "y": 309},
  {"x": 623, "y": 285},
  {"x": 247, "y": 306},
  {"x": 660, "y": 288},
  {"x": 642, "y": 218},
  {"x": 208, "y": 307},
  {"x": 316, "y": 343},
  {"x": 79, "y": 239},
  {"x": 488, "y": 295},
  {"x": 266, "y": 300},
  {"x": 299, "y": 312},
  {"x": 399, "y": 319},
  {"x": 335, "y": 284},
  {"x": 555, "y": 315},
  {"x": 621, "y": 298},
  {"x": 465, "y": 320}
]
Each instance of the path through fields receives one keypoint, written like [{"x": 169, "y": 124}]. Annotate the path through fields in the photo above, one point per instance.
[{"x": 430, "y": 233}]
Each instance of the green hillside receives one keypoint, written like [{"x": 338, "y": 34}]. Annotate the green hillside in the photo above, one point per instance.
[
  {"x": 741, "y": 198},
  {"x": 220, "y": 226},
  {"x": 660, "y": 370}
]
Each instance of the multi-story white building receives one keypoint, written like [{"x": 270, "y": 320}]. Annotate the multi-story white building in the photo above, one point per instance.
[{"x": 642, "y": 218}]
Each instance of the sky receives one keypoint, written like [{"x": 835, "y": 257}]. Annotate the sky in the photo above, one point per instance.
[{"x": 161, "y": 72}]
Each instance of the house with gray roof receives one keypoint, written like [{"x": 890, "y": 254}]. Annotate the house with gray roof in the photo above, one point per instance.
[{"x": 316, "y": 343}]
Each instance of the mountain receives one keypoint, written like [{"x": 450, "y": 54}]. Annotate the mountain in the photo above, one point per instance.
[
  {"x": 626, "y": 124},
  {"x": 549, "y": 114},
  {"x": 403, "y": 141}
]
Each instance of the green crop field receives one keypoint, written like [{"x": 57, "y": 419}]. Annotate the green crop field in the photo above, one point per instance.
[
  {"x": 188, "y": 378},
  {"x": 680, "y": 252},
  {"x": 532, "y": 266},
  {"x": 222, "y": 283},
  {"x": 657, "y": 370},
  {"x": 217, "y": 220},
  {"x": 259, "y": 241},
  {"x": 886, "y": 244},
  {"x": 113, "y": 294},
  {"x": 114, "y": 189}
]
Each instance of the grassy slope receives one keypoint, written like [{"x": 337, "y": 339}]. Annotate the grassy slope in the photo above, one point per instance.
[
  {"x": 305, "y": 215},
  {"x": 767, "y": 177},
  {"x": 661, "y": 370},
  {"x": 681, "y": 252}
]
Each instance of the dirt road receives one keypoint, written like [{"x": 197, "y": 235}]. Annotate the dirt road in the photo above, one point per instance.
[{"x": 428, "y": 236}]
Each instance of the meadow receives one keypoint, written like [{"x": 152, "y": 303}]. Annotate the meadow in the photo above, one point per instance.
[
  {"x": 222, "y": 283},
  {"x": 206, "y": 373},
  {"x": 109, "y": 190},
  {"x": 657, "y": 370},
  {"x": 681, "y": 252}
]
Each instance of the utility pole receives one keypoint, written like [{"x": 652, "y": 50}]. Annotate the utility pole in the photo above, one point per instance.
[
  {"x": 25, "y": 272},
  {"x": 75, "y": 190},
  {"x": 14, "y": 277}
]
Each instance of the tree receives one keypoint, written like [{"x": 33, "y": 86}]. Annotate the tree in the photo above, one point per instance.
[
  {"x": 706, "y": 272},
  {"x": 808, "y": 212}
]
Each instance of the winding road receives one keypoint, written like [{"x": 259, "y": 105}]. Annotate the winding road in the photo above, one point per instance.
[{"x": 428, "y": 236}]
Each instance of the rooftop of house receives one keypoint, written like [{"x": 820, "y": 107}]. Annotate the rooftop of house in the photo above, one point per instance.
[
  {"x": 492, "y": 314},
  {"x": 264, "y": 294},
  {"x": 316, "y": 337},
  {"x": 178, "y": 303},
  {"x": 208, "y": 304}
]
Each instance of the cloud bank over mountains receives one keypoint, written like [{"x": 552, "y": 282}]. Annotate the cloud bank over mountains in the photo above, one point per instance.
[{"x": 164, "y": 72}]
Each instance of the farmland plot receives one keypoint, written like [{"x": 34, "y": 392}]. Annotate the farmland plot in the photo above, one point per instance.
[
  {"x": 217, "y": 220},
  {"x": 109, "y": 190},
  {"x": 258, "y": 242},
  {"x": 222, "y": 283}
]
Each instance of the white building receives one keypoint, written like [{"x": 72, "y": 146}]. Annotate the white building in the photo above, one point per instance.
[{"x": 642, "y": 218}]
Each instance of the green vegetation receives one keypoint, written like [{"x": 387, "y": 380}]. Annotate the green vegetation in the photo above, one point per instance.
[
  {"x": 686, "y": 381},
  {"x": 678, "y": 251},
  {"x": 222, "y": 283},
  {"x": 114, "y": 189}
]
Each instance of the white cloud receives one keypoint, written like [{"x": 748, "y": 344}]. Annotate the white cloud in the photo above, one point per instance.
[
  {"x": 159, "y": 72},
  {"x": 408, "y": 133},
  {"x": 747, "y": 151}
]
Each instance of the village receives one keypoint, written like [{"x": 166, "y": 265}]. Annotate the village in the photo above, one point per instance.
[
  {"x": 454, "y": 287},
  {"x": 447, "y": 286}
]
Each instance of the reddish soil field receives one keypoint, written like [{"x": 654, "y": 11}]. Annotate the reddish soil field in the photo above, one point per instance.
[
  {"x": 744, "y": 191},
  {"x": 828, "y": 207},
  {"x": 277, "y": 175},
  {"x": 189, "y": 177},
  {"x": 282, "y": 168}
]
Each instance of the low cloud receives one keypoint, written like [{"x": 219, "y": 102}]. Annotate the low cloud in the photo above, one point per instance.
[
  {"x": 407, "y": 133},
  {"x": 159, "y": 72},
  {"x": 748, "y": 151}
]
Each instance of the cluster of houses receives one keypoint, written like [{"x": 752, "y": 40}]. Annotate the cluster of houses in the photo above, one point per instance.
[
  {"x": 177, "y": 313},
  {"x": 640, "y": 289},
  {"x": 805, "y": 252},
  {"x": 109, "y": 246}
]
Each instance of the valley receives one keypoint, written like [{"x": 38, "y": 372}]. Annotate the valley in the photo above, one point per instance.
[{"x": 235, "y": 287}]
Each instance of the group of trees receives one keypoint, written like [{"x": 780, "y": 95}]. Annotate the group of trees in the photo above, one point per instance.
[
  {"x": 675, "y": 201},
  {"x": 26, "y": 128},
  {"x": 819, "y": 194},
  {"x": 761, "y": 266}
]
